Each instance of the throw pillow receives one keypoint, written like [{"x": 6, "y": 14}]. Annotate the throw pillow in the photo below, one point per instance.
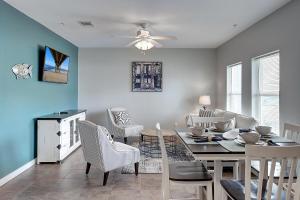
[
  {"x": 225, "y": 126},
  {"x": 122, "y": 118},
  {"x": 206, "y": 113}
]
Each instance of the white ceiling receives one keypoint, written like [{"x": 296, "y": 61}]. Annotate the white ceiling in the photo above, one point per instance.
[{"x": 196, "y": 23}]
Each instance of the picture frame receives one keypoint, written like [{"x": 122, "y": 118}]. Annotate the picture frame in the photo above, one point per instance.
[{"x": 146, "y": 76}]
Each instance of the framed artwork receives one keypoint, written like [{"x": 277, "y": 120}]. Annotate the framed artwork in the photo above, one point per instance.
[{"x": 146, "y": 76}]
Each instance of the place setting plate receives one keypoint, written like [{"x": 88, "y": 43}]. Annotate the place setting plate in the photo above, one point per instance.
[
  {"x": 240, "y": 141},
  {"x": 231, "y": 135},
  {"x": 267, "y": 136}
]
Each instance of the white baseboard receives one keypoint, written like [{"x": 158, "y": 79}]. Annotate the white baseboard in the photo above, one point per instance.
[{"x": 17, "y": 172}]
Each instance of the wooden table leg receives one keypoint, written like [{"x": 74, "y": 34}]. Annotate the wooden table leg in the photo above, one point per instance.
[{"x": 217, "y": 178}]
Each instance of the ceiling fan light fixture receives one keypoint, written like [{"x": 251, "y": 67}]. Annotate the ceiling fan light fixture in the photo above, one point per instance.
[{"x": 144, "y": 45}]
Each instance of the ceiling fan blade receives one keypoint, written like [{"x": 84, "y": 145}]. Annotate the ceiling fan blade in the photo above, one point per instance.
[
  {"x": 125, "y": 36},
  {"x": 133, "y": 42},
  {"x": 163, "y": 37},
  {"x": 156, "y": 44}
]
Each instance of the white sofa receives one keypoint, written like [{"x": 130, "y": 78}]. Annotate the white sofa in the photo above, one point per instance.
[
  {"x": 218, "y": 115},
  {"x": 241, "y": 121}
]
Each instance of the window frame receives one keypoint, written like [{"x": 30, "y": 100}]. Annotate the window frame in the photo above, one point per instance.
[
  {"x": 256, "y": 92},
  {"x": 229, "y": 92}
]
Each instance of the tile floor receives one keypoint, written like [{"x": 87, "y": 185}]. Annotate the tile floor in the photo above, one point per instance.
[{"x": 67, "y": 181}]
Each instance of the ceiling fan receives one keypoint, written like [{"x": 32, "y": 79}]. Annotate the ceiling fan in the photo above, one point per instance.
[{"x": 144, "y": 40}]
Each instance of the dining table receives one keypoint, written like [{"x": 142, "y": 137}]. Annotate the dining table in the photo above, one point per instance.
[{"x": 222, "y": 150}]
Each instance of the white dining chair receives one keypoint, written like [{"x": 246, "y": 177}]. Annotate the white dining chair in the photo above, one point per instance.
[
  {"x": 264, "y": 187},
  {"x": 292, "y": 132},
  {"x": 191, "y": 173},
  {"x": 102, "y": 152}
]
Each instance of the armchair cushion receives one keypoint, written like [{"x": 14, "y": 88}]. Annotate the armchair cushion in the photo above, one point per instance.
[
  {"x": 119, "y": 155},
  {"x": 131, "y": 153},
  {"x": 116, "y": 155},
  {"x": 133, "y": 130}
]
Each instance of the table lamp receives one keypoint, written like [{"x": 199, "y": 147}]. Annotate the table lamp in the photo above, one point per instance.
[{"x": 204, "y": 101}]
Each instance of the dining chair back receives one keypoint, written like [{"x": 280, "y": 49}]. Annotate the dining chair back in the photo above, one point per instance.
[
  {"x": 183, "y": 172},
  {"x": 165, "y": 165},
  {"x": 273, "y": 154},
  {"x": 292, "y": 132}
]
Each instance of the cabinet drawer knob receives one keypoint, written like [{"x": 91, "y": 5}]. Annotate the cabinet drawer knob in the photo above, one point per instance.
[
  {"x": 58, "y": 133},
  {"x": 58, "y": 146}
]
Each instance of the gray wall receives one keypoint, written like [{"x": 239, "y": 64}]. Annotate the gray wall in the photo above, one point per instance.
[
  {"x": 105, "y": 81},
  {"x": 279, "y": 31}
]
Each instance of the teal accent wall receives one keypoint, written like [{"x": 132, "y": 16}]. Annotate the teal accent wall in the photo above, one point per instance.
[{"x": 23, "y": 100}]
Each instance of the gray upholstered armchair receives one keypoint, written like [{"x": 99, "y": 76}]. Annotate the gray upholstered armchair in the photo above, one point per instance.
[
  {"x": 124, "y": 131},
  {"x": 100, "y": 151}
]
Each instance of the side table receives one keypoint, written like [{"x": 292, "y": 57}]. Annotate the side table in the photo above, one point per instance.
[{"x": 149, "y": 144}]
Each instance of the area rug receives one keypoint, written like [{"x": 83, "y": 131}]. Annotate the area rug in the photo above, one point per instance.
[{"x": 150, "y": 164}]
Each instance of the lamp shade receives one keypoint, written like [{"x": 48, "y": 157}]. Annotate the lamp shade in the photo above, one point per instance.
[{"x": 204, "y": 100}]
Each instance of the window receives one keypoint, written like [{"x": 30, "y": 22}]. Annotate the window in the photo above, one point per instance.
[
  {"x": 234, "y": 88},
  {"x": 265, "y": 89}
]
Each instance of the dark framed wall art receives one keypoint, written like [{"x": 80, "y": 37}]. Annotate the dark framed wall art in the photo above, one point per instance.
[{"x": 146, "y": 76}]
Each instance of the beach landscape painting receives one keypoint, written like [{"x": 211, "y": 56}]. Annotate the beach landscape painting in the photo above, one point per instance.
[{"x": 56, "y": 66}]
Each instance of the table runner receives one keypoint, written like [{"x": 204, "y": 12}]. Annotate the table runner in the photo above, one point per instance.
[
  {"x": 188, "y": 140},
  {"x": 278, "y": 139},
  {"x": 231, "y": 146}
]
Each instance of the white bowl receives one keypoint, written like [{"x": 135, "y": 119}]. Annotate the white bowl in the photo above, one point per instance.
[
  {"x": 263, "y": 130},
  {"x": 198, "y": 131},
  {"x": 250, "y": 137}
]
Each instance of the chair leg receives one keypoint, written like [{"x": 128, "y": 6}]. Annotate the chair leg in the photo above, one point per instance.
[
  {"x": 136, "y": 168},
  {"x": 204, "y": 163},
  {"x": 209, "y": 195},
  {"x": 199, "y": 192},
  {"x": 105, "y": 178},
  {"x": 125, "y": 140},
  {"x": 88, "y": 166},
  {"x": 235, "y": 170}
]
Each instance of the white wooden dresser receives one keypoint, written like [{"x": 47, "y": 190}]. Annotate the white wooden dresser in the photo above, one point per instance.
[{"x": 57, "y": 135}]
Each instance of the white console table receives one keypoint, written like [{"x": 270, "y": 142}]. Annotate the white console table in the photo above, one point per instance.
[{"x": 58, "y": 135}]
